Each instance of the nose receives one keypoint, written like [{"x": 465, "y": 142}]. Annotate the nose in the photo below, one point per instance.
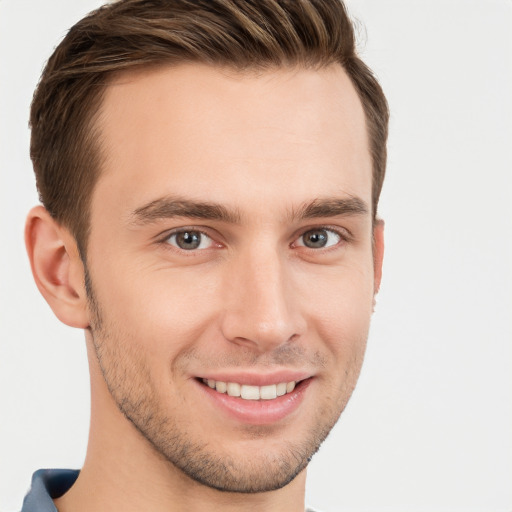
[{"x": 262, "y": 309}]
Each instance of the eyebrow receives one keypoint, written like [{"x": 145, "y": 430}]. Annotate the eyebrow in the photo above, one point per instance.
[
  {"x": 171, "y": 207},
  {"x": 332, "y": 207}
]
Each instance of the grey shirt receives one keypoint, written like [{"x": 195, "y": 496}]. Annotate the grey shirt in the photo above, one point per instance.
[{"x": 48, "y": 484}]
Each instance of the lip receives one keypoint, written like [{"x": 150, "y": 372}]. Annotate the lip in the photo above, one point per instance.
[
  {"x": 257, "y": 379},
  {"x": 256, "y": 412}
]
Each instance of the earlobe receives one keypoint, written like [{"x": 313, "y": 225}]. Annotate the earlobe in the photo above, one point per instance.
[
  {"x": 378, "y": 253},
  {"x": 56, "y": 267}
]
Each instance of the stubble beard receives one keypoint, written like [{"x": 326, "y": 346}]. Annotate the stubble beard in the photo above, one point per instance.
[{"x": 128, "y": 379}]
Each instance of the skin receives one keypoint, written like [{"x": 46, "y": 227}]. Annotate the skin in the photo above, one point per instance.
[{"x": 252, "y": 301}]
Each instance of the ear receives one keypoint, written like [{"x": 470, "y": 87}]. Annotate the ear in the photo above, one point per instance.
[
  {"x": 378, "y": 253},
  {"x": 57, "y": 268}
]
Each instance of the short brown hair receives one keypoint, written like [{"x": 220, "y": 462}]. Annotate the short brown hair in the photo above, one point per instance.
[{"x": 243, "y": 34}]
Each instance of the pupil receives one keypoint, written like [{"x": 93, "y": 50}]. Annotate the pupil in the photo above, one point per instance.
[
  {"x": 188, "y": 240},
  {"x": 315, "y": 239}
]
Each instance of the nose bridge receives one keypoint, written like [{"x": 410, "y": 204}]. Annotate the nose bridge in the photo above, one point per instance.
[{"x": 260, "y": 307}]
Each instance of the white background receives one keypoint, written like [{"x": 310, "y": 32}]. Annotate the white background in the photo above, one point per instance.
[{"x": 430, "y": 425}]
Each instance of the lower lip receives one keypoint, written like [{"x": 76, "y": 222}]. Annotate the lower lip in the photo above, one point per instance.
[{"x": 258, "y": 412}]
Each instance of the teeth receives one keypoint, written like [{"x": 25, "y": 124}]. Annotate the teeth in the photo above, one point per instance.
[
  {"x": 247, "y": 392},
  {"x": 233, "y": 389},
  {"x": 221, "y": 387},
  {"x": 268, "y": 392},
  {"x": 281, "y": 389},
  {"x": 250, "y": 392}
]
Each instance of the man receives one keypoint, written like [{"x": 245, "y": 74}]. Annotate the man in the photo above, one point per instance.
[{"x": 210, "y": 174}]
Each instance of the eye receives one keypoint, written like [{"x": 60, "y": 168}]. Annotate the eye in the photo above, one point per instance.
[
  {"x": 190, "y": 240},
  {"x": 319, "y": 238}
]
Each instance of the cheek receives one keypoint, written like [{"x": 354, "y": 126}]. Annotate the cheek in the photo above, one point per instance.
[
  {"x": 340, "y": 310},
  {"x": 342, "y": 324},
  {"x": 163, "y": 309}
]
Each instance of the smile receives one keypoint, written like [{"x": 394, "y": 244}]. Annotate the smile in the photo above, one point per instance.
[
  {"x": 255, "y": 399},
  {"x": 247, "y": 392}
]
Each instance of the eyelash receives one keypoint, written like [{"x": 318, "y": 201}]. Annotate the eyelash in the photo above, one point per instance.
[
  {"x": 343, "y": 235},
  {"x": 165, "y": 240}
]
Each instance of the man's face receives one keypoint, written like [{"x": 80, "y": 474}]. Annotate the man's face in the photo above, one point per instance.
[{"x": 231, "y": 252}]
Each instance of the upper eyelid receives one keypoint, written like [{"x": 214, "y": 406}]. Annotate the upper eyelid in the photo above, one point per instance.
[
  {"x": 343, "y": 238},
  {"x": 164, "y": 235},
  {"x": 344, "y": 233},
  {"x": 213, "y": 234},
  {"x": 163, "y": 241}
]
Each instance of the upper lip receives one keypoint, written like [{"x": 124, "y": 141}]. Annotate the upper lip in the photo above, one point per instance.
[{"x": 257, "y": 379}]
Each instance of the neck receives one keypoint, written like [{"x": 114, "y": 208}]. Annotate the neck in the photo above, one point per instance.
[{"x": 123, "y": 470}]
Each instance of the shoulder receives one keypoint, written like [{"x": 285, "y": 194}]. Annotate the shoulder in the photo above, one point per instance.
[{"x": 48, "y": 484}]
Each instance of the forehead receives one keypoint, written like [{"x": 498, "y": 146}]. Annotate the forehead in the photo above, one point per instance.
[{"x": 283, "y": 135}]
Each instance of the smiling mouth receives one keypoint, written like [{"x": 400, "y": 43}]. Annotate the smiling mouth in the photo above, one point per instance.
[{"x": 247, "y": 392}]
